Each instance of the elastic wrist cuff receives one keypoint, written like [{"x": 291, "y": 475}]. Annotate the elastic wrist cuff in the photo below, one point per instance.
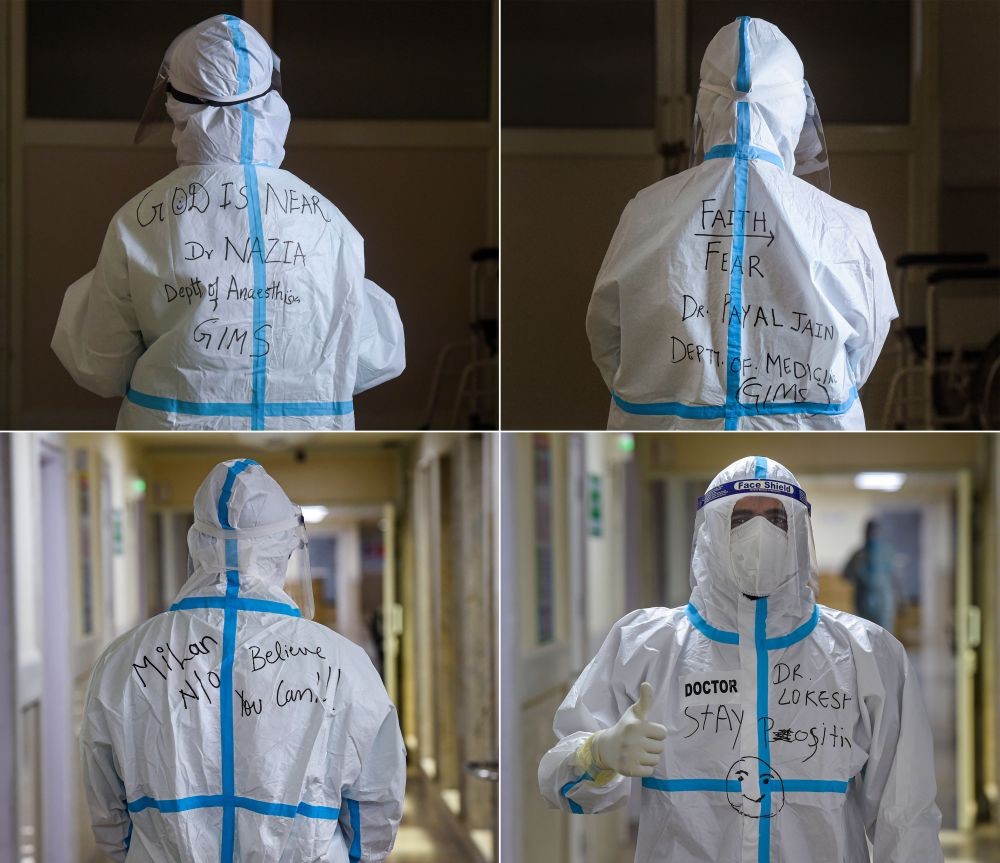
[{"x": 586, "y": 761}]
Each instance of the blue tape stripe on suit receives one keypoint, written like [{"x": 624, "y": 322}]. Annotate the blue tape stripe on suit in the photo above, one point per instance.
[
  {"x": 254, "y": 222},
  {"x": 754, "y": 154},
  {"x": 211, "y": 801},
  {"x": 734, "y": 343},
  {"x": 760, "y": 467},
  {"x": 709, "y": 412},
  {"x": 354, "y": 808},
  {"x": 699, "y": 622},
  {"x": 796, "y": 634},
  {"x": 690, "y": 784},
  {"x": 260, "y": 342},
  {"x": 574, "y": 807},
  {"x": 820, "y": 786},
  {"x": 265, "y": 606},
  {"x": 763, "y": 744},
  {"x": 227, "y": 491},
  {"x": 226, "y": 671},
  {"x": 238, "y": 409}
]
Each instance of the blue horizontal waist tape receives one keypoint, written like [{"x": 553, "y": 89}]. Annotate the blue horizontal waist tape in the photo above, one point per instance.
[
  {"x": 711, "y": 412},
  {"x": 263, "y": 807},
  {"x": 238, "y": 409}
]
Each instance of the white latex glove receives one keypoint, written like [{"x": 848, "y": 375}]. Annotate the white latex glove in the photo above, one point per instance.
[{"x": 632, "y": 746}]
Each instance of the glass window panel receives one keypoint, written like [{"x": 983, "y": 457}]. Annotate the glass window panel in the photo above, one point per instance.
[
  {"x": 385, "y": 59},
  {"x": 98, "y": 60},
  {"x": 856, "y": 55},
  {"x": 578, "y": 63}
]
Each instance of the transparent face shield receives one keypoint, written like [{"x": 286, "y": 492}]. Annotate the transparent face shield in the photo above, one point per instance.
[
  {"x": 278, "y": 548},
  {"x": 298, "y": 576},
  {"x": 155, "y": 112},
  {"x": 812, "y": 163}
]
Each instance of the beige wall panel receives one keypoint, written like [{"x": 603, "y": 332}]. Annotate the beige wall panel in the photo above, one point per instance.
[
  {"x": 347, "y": 478},
  {"x": 812, "y": 453},
  {"x": 559, "y": 214}
]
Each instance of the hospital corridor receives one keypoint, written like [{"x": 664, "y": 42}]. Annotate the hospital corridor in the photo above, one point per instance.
[
  {"x": 596, "y": 526},
  {"x": 96, "y": 537}
]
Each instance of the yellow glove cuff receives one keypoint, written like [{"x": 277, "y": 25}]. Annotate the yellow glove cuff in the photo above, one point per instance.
[{"x": 588, "y": 764}]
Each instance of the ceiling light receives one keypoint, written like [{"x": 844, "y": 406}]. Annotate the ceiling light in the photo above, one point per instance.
[
  {"x": 314, "y": 514},
  {"x": 879, "y": 481}
]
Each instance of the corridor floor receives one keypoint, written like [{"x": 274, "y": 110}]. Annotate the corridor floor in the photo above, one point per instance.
[
  {"x": 979, "y": 846},
  {"x": 426, "y": 834}
]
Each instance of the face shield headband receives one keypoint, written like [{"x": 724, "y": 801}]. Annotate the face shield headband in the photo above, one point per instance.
[
  {"x": 755, "y": 486},
  {"x": 155, "y": 111}
]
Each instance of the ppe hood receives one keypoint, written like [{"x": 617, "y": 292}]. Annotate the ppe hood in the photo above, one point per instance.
[
  {"x": 790, "y": 580},
  {"x": 752, "y": 61},
  {"x": 245, "y": 532},
  {"x": 220, "y": 83}
]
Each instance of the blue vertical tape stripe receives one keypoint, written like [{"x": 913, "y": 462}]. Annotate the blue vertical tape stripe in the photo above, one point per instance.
[
  {"x": 734, "y": 344},
  {"x": 354, "y": 811},
  {"x": 259, "y": 351},
  {"x": 235, "y": 469},
  {"x": 760, "y": 467},
  {"x": 743, "y": 69},
  {"x": 763, "y": 745},
  {"x": 226, "y": 672},
  {"x": 258, "y": 372}
]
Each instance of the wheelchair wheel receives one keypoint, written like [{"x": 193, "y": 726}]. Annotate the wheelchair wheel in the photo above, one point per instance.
[{"x": 986, "y": 386}]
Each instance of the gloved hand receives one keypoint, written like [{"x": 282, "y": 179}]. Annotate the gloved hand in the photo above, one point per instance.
[{"x": 632, "y": 746}]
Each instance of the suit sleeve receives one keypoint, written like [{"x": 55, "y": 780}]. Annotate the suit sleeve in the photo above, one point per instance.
[
  {"x": 608, "y": 686},
  {"x": 604, "y": 311},
  {"x": 881, "y": 308},
  {"x": 97, "y": 335},
  {"x": 382, "y": 350},
  {"x": 372, "y": 803},
  {"x": 105, "y": 790},
  {"x": 897, "y": 784}
]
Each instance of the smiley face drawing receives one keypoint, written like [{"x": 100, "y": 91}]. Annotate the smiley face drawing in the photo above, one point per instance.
[{"x": 756, "y": 779}]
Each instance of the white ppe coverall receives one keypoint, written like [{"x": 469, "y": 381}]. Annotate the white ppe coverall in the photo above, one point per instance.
[
  {"x": 229, "y": 294},
  {"x": 231, "y": 728},
  {"x": 736, "y": 295},
  {"x": 792, "y": 730}
]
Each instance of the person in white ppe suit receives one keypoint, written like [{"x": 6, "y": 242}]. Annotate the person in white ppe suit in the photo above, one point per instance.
[
  {"x": 763, "y": 727},
  {"x": 230, "y": 294},
  {"x": 231, "y": 727},
  {"x": 738, "y": 294}
]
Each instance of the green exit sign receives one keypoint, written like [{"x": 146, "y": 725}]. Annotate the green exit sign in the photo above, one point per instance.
[{"x": 594, "y": 504}]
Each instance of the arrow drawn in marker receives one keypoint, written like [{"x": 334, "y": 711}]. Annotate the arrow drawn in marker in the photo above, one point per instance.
[{"x": 756, "y": 236}]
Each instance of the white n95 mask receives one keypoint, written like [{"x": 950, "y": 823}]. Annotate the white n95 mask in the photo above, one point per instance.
[{"x": 758, "y": 551}]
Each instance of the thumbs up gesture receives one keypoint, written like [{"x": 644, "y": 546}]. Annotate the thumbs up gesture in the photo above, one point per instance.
[{"x": 633, "y": 745}]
